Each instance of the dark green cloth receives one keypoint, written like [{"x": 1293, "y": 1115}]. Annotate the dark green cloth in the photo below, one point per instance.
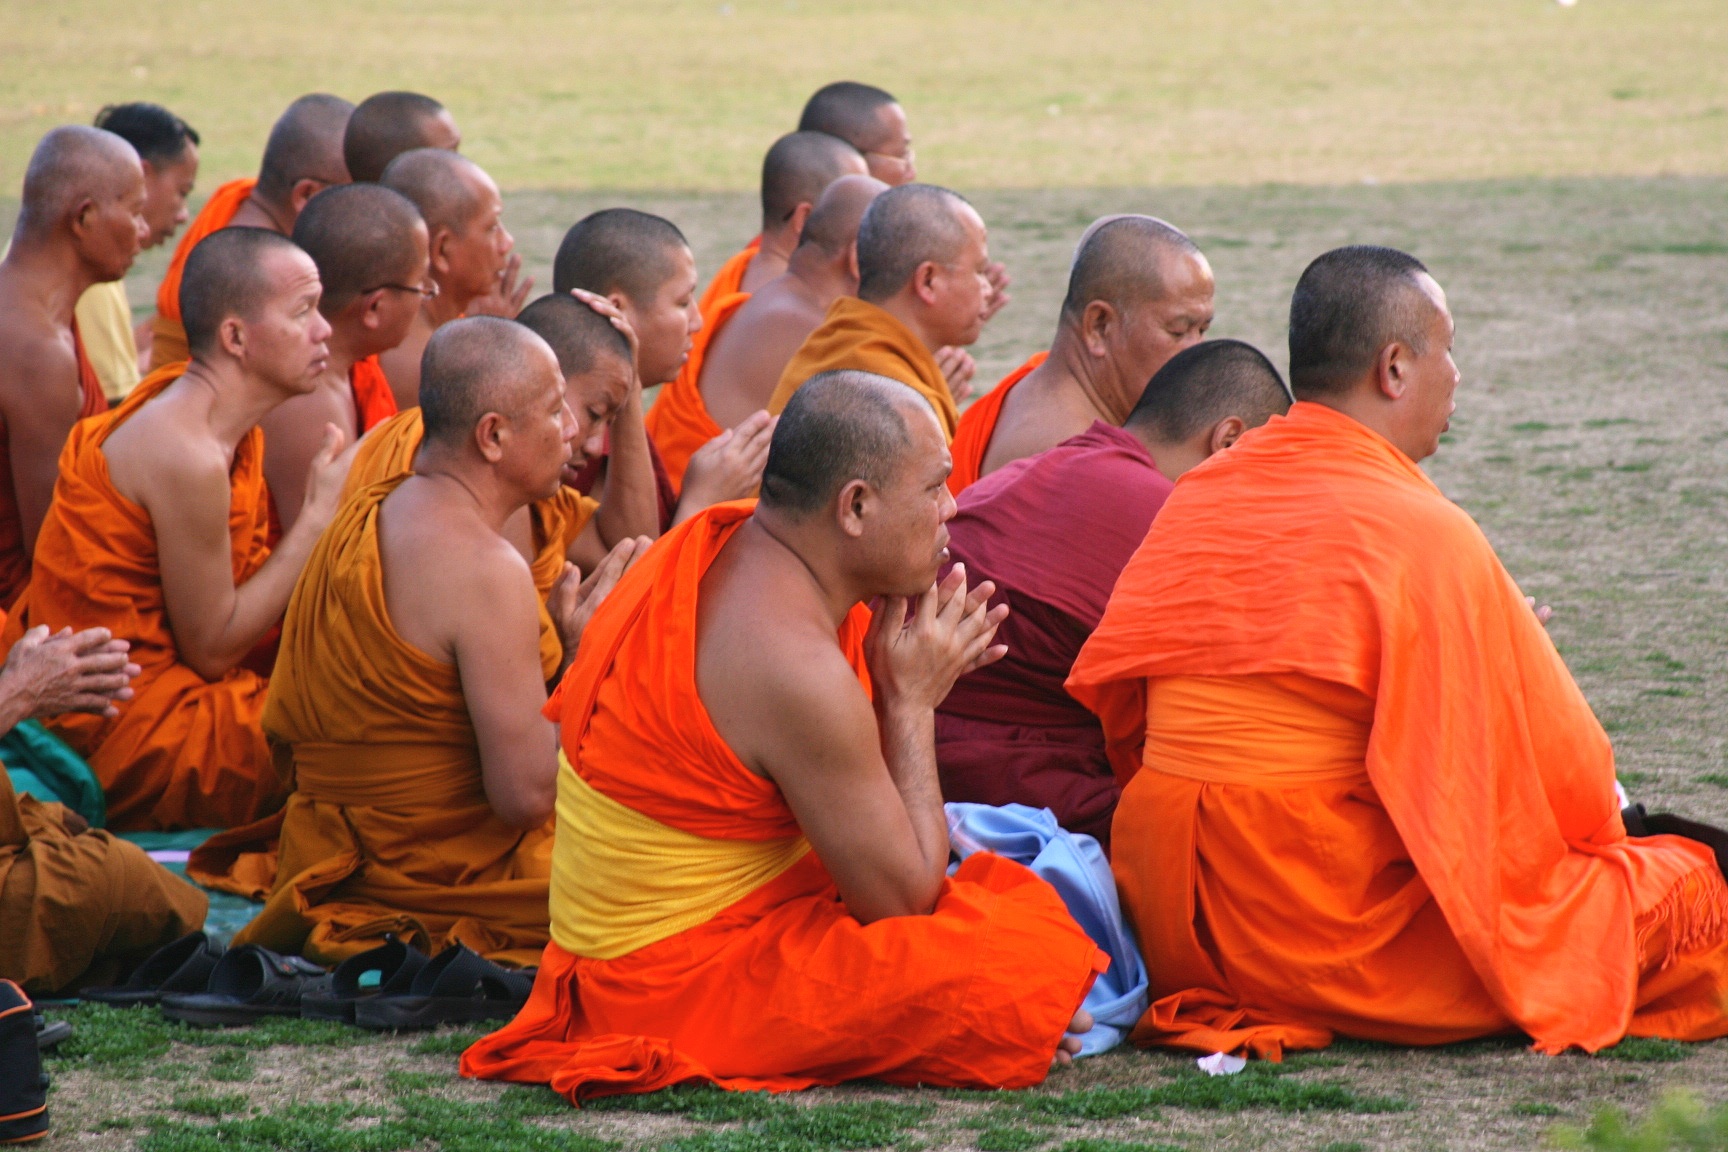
[{"x": 41, "y": 764}]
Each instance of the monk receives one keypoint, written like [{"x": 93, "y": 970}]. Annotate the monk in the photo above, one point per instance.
[
  {"x": 407, "y": 710},
  {"x": 922, "y": 254},
  {"x": 302, "y": 157},
  {"x": 1139, "y": 292},
  {"x": 643, "y": 265},
  {"x": 77, "y": 906},
  {"x": 472, "y": 252},
  {"x": 1052, "y": 532},
  {"x": 797, "y": 169},
  {"x": 370, "y": 248},
  {"x": 168, "y": 149},
  {"x": 736, "y": 709},
  {"x": 1363, "y": 795},
  {"x": 81, "y": 223},
  {"x": 157, "y": 533},
  {"x": 387, "y": 124}
]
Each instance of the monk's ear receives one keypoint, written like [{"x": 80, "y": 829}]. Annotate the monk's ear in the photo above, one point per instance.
[
  {"x": 1392, "y": 370},
  {"x": 1098, "y": 324},
  {"x": 1225, "y": 433},
  {"x": 852, "y": 507},
  {"x": 438, "y": 249},
  {"x": 303, "y": 191},
  {"x": 852, "y": 262},
  {"x": 489, "y": 432},
  {"x": 924, "y": 281},
  {"x": 83, "y": 215},
  {"x": 796, "y": 221}
]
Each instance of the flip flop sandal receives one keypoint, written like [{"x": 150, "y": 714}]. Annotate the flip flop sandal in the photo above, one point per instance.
[
  {"x": 183, "y": 966},
  {"x": 50, "y": 1032},
  {"x": 457, "y": 986},
  {"x": 248, "y": 984},
  {"x": 387, "y": 970}
]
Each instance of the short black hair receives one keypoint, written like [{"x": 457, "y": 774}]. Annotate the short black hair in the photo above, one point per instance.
[
  {"x": 385, "y": 125},
  {"x": 846, "y": 109},
  {"x": 902, "y": 228},
  {"x": 578, "y": 335},
  {"x": 838, "y": 427},
  {"x": 305, "y": 144},
  {"x": 617, "y": 249},
  {"x": 158, "y": 136},
  {"x": 225, "y": 275},
  {"x": 1206, "y": 383},
  {"x": 361, "y": 236},
  {"x": 471, "y": 367},
  {"x": 1349, "y": 304},
  {"x": 1119, "y": 262},
  {"x": 796, "y": 170}
]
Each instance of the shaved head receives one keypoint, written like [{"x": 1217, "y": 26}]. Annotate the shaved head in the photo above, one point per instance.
[
  {"x": 1207, "y": 383},
  {"x": 578, "y": 335},
  {"x": 1349, "y": 304},
  {"x": 305, "y": 144},
  {"x": 903, "y": 228},
  {"x": 69, "y": 166},
  {"x": 838, "y": 427},
  {"x": 618, "y": 250},
  {"x": 1122, "y": 260},
  {"x": 229, "y": 273},
  {"x": 833, "y": 222},
  {"x": 474, "y": 366},
  {"x": 796, "y": 170},
  {"x": 387, "y": 124},
  {"x": 360, "y": 236},
  {"x": 446, "y": 187},
  {"x": 849, "y": 110}
]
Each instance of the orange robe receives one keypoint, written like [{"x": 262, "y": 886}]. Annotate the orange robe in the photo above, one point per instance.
[
  {"x": 978, "y": 424},
  {"x": 1363, "y": 793},
  {"x": 14, "y": 560},
  {"x": 387, "y": 828},
  {"x": 679, "y": 422},
  {"x": 858, "y": 334},
  {"x": 774, "y": 985},
  {"x": 185, "y": 752},
  {"x": 80, "y": 907},
  {"x": 168, "y": 337},
  {"x": 728, "y": 281}
]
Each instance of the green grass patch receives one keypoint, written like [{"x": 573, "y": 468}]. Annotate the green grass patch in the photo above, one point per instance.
[
  {"x": 1534, "y": 426},
  {"x": 1344, "y": 1146},
  {"x": 1678, "y": 1122},
  {"x": 1667, "y": 690},
  {"x": 1000, "y": 1138},
  {"x": 1647, "y": 1050},
  {"x": 232, "y": 1104},
  {"x": 230, "y": 1065},
  {"x": 423, "y": 1121},
  {"x": 1097, "y": 1144},
  {"x": 128, "y": 1041},
  {"x": 1534, "y": 1108},
  {"x": 1631, "y": 778},
  {"x": 1720, "y": 779},
  {"x": 1608, "y": 422},
  {"x": 697, "y": 1102},
  {"x": 445, "y": 1043},
  {"x": 1257, "y": 1086},
  {"x": 1634, "y": 466},
  {"x": 869, "y": 1124}
]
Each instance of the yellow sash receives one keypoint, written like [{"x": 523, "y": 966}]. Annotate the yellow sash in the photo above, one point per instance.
[
  {"x": 1269, "y": 731},
  {"x": 622, "y": 881}
]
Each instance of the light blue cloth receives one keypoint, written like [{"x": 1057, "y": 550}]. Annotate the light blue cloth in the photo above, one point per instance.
[{"x": 1074, "y": 865}]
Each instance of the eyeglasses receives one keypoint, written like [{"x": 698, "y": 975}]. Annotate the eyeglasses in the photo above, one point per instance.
[{"x": 422, "y": 291}]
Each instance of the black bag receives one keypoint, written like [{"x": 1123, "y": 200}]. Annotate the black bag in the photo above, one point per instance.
[{"x": 23, "y": 1085}]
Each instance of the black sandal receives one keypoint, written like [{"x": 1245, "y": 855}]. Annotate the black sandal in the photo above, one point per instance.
[
  {"x": 183, "y": 966},
  {"x": 50, "y": 1032},
  {"x": 396, "y": 964},
  {"x": 457, "y": 986},
  {"x": 247, "y": 985}
]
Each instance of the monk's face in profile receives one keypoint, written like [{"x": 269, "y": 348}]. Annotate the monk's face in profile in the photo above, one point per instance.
[
  {"x": 166, "y": 188},
  {"x": 284, "y": 342},
  {"x": 1432, "y": 380},
  {"x": 889, "y": 149},
  {"x": 469, "y": 260},
  {"x": 111, "y": 228},
  {"x": 1156, "y": 329},
  {"x": 961, "y": 289},
  {"x": 541, "y": 429},
  {"x": 908, "y": 543},
  {"x": 666, "y": 324},
  {"x": 594, "y": 398}
]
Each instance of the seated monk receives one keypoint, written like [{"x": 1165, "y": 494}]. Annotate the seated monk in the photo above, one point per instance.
[
  {"x": 644, "y": 266},
  {"x": 1139, "y": 293},
  {"x": 81, "y": 223},
  {"x": 157, "y": 532},
  {"x": 922, "y": 286},
  {"x": 1010, "y": 733},
  {"x": 798, "y": 167},
  {"x": 1363, "y": 795},
  {"x": 369, "y": 245},
  {"x": 471, "y": 251},
  {"x": 736, "y": 710},
  {"x": 77, "y": 906},
  {"x": 387, "y": 124},
  {"x": 302, "y": 157},
  {"x": 407, "y": 710}
]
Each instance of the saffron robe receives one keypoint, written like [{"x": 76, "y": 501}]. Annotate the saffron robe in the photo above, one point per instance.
[
  {"x": 14, "y": 560},
  {"x": 978, "y": 424},
  {"x": 1363, "y": 793},
  {"x": 697, "y": 937},
  {"x": 728, "y": 281},
  {"x": 168, "y": 336},
  {"x": 1009, "y": 733},
  {"x": 185, "y": 752},
  {"x": 858, "y": 334},
  {"x": 387, "y": 827},
  {"x": 679, "y": 422}
]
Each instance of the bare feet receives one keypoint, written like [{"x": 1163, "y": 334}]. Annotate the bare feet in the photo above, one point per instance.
[{"x": 1070, "y": 1044}]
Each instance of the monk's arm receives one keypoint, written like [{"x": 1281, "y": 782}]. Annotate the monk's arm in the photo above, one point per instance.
[
  {"x": 39, "y": 398},
  {"x": 291, "y": 443},
  {"x": 632, "y": 504}
]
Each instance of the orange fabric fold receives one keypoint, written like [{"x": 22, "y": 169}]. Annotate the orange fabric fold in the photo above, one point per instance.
[
  {"x": 1475, "y": 877},
  {"x": 184, "y": 752},
  {"x": 978, "y": 424},
  {"x": 728, "y": 280},
  {"x": 387, "y": 828},
  {"x": 857, "y": 334},
  {"x": 168, "y": 340},
  {"x": 374, "y": 403},
  {"x": 679, "y": 421},
  {"x": 783, "y": 989},
  {"x": 14, "y": 560}
]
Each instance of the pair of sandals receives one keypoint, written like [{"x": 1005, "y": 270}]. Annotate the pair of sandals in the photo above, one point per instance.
[{"x": 393, "y": 987}]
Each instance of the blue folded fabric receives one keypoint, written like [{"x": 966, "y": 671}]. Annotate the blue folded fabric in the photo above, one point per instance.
[{"x": 1076, "y": 867}]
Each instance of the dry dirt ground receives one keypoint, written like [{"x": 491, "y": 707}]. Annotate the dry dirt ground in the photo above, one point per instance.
[{"x": 1591, "y": 442}]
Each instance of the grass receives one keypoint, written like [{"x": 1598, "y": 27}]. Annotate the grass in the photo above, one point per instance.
[{"x": 1257, "y": 1086}]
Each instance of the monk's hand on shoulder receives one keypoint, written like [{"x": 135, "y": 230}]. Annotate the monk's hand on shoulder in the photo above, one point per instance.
[
  {"x": 958, "y": 368},
  {"x": 612, "y": 312},
  {"x": 507, "y": 296},
  {"x": 328, "y": 474},
  {"x": 573, "y": 600},
  {"x": 728, "y": 467},
  {"x": 1543, "y": 614},
  {"x": 997, "y": 273},
  {"x": 917, "y": 649},
  {"x": 68, "y": 672}
]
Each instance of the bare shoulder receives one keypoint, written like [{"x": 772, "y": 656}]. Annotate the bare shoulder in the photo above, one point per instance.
[
  {"x": 165, "y": 457},
  {"x": 35, "y": 357}
]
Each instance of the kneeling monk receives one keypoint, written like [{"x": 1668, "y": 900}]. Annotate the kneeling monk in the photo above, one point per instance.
[
  {"x": 157, "y": 532},
  {"x": 1364, "y": 794},
  {"x": 749, "y": 884}
]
